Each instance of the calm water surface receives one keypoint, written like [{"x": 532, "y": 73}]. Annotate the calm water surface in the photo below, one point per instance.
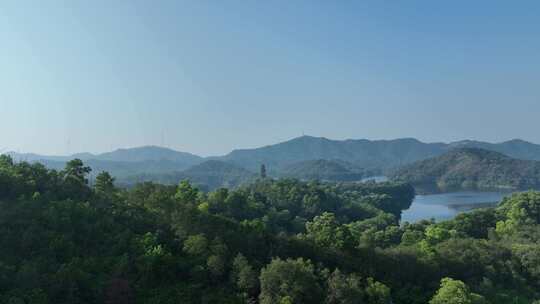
[
  {"x": 378, "y": 179},
  {"x": 447, "y": 205}
]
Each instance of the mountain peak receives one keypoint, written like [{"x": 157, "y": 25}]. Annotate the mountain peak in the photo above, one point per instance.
[
  {"x": 308, "y": 138},
  {"x": 149, "y": 153},
  {"x": 518, "y": 141}
]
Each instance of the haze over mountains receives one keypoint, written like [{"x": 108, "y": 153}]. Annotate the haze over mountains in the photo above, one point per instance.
[
  {"x": 138, "y": 154},
  {"x": 302, "y": 157}
]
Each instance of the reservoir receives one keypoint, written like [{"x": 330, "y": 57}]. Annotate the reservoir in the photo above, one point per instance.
[{"x": 445, "y": 206}]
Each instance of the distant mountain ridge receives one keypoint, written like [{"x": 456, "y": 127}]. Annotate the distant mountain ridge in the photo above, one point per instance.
[
  {"x": 375, "y": 156},
  {"x": 368, "y": 154},
  {"x": 515, "y": 148},
  {"x": 357, "y": 151},
  {"x": 122, "y": 163},
  {"x": 471, "y": 169},
  {"x": 137, "y": 154},
  {"x": 361, "y": 152},
  {"x": 150, "y": 153}
]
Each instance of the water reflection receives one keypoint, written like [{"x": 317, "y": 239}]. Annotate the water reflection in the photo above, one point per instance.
[
  {"x": 377, "y": 179},
  {"x": 447, "y": 205}
]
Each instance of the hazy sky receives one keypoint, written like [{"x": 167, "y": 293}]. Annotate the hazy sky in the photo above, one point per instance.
[{"x": 209, "y": 76}]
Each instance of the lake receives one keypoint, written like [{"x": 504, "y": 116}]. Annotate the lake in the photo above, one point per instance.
[
  {"x": 377, "y": 179},
  {"x": 447, "y": 205}
]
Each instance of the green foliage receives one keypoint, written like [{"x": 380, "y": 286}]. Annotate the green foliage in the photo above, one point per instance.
[
  {"x": 289, "y": 281},
  {"x": 278, "y": 241},
  {"x": 76, "y": 170},
  {"x": 379, "y": 231},
  {"x": 377, "y": 293},
  {"x": 244, "y": 276},
  {"x": 186, "y": 193},
  {"x": 519, "y": 210},
  {"x": 207, "y": 175},
  {"x": 455, "y": 292},
  {"x": 325, "y": 170},
  {"x": 104, "y": 183},
  {"x": 471, "y": 168},
  {"x": 344, "y": 289},
  {"x": 196, "y": 245},
  {"x": 325, "y": 231}
]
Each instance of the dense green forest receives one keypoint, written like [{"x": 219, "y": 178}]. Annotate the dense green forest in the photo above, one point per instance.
[
  {"x": 471, "y": 169},
  {"x": 208, "y": 175},
  {"x": 326, "y": 170},
  {"x": 271, "y": 241},
  {"x": 213, "y": 174}
]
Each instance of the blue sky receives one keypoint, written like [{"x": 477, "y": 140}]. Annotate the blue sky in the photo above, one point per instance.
[{"x": 209, "y": 76}]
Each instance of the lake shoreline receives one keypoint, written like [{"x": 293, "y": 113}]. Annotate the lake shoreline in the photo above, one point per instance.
[{"x": 444, "y": 206}]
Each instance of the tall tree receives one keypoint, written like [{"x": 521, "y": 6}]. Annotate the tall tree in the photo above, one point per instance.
[
  {"x": 243, "y": 275},
  {"x": 76, "y": 169},
  {"x": 75, "y": 179},
  {"x": 289, "y": 281},
  {"x": 104, "y": 183},
  {"x": 455, "y": 292},
  {"x": 344, "y": 289},
  {"x": 186, "y": 193}
]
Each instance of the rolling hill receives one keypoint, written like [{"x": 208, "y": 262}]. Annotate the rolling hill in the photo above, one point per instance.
[
  {"x": 380, "y": 154},
  {"x": 122, "y": 163},
  {"x": 303, "y": 157},
  {"x": 147, "y": 153},
  {"x": 324, "y": 170},
  {"x": 515, "y": 148},
  {"x": 137, "y": 154},
  {"x": 471, "y": 169},
  {"x": 123, "y": 169},
  {"x": 208, "y": 175}
]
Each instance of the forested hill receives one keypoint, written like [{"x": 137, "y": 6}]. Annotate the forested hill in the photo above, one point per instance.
[
  {"x": 472, "y": 168},
  {"x": 361, "y": 152},
  {"x": 273, "y": 241},
  {"x": 208, "y": 175},
  {"x": 213, "y": 174},
  {"x": 364, "y": 153},
  {"x": 325, "y": 170},
  {"x": 515, "y": 148},
  {"x": 303, "y": 157},
  {"x": 137, "y": 154}
]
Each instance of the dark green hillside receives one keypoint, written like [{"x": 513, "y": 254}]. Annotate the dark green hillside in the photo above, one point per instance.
[
  {"x": 515, "y": 148},
  {"x": 137, "y": 154},
  {"x": 363, "y": 153},
  {"x": 208, "y": 175},
  {"x": 325, "y": 170},
  {"x": 147, "y": 153},
  {"x": 123, "y": 163},
  {"x": 272, "y": 241},
  {"x": 124, "y": 169},
  {"x": 215, "y": 174},
  {"x": 472, "y": 168},
  {"x": 377, "y": 156}
]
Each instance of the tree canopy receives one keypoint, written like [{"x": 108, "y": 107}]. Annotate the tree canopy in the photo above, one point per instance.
[{"x": 271, "y": 241}]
